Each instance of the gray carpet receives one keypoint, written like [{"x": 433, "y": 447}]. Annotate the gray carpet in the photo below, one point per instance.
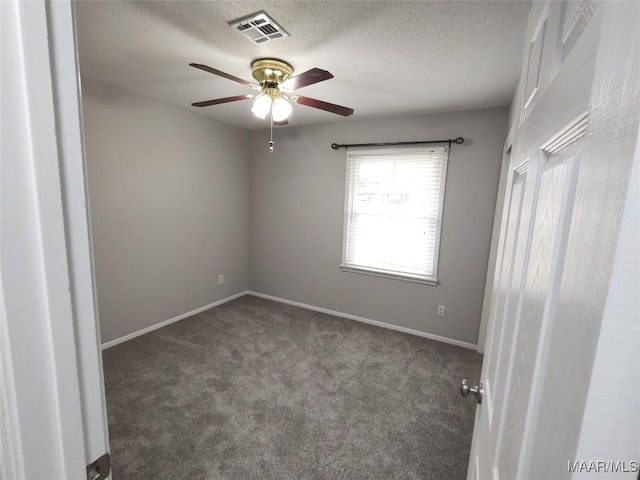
[{"x": 255, "y": 389}]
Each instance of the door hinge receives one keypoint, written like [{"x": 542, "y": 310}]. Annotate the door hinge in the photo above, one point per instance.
[{"x": 99, "y": 469}]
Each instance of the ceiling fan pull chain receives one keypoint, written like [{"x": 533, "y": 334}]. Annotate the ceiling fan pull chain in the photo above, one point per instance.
[{"x": 271, "y": 139}]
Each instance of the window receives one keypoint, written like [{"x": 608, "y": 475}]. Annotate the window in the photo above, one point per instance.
[{"x": 393, "y": 212}]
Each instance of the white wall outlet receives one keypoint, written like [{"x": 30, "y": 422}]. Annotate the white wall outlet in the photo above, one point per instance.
[
  {"x": 220, "y": 279},
  {"x": 441, "y": 310}
]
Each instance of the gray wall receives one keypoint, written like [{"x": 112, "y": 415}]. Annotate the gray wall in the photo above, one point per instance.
[
  {"x": 177, "y": 199},
  {"x": 296, "y": 220},
  {"x": 169, "y": 200}
]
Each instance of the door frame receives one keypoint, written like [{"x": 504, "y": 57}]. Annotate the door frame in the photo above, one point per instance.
[{"x": 53, "y": 412}]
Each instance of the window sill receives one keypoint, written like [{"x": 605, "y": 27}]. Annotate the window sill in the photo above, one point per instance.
[{"x": 388, "y": 274}]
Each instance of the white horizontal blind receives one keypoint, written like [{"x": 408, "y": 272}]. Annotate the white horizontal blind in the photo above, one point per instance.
[{"x": 393, "y": 213}]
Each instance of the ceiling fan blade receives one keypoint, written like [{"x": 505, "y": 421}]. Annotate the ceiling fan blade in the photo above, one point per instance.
[
  {"x": 329, "y": 107},
  {"x": 315, "y": 75},
  {"x": 217, "y": 101},
  {"x": 209, "y": 69}
]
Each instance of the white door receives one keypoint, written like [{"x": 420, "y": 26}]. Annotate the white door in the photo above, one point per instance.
[
  {"x": 569, "y": 169},
  {"x": 53, "y": 417}
]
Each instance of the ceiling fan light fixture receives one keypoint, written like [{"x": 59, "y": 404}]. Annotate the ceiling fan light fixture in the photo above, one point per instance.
[
  {"x": 275, "y": 81},
  {"x": 261, "y": 106},
  {"x": 281, "y": 109}
]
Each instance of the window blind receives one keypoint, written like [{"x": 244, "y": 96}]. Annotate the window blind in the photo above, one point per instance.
[{"x": 393, "y": 211}]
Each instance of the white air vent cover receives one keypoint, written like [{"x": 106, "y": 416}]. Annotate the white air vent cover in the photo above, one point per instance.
[{"x": 259, "y": 27}]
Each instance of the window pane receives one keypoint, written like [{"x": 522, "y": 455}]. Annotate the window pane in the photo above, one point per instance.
[
  {"x": 391, "y": 243},
  {"x": 400, "y": 189},
  {"x": 394, "y": 210}
]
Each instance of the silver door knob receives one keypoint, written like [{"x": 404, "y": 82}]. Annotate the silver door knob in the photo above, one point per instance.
[{"x": 465, "y": 390}]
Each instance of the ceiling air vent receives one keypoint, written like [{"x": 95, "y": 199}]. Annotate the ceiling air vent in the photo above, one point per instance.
[{"x": 259, "y": 27}]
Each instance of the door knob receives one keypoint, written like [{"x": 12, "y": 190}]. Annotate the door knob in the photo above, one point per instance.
[{"x": 465, "y": 390}]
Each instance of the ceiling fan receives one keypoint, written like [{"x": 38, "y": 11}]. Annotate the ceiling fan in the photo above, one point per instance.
[{"x": 275, "y": 84}]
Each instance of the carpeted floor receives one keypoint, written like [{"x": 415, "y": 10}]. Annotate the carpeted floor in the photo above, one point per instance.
[{"x": 255, "y": 389}]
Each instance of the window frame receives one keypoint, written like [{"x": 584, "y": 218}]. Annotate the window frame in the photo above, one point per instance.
[{"x": 350, "y": 172}]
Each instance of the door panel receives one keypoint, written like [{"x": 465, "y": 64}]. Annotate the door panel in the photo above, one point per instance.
[
  {"x": 534, "y": 66},
  {"x": 501, "y": 330},
  {"x": 541, "y": 56},
  {"x": 553, "y": 199},
  {"x": 577, "y": 15},
  {"x": 515, "y": 270},
  {"x": 513, "y": 252}
]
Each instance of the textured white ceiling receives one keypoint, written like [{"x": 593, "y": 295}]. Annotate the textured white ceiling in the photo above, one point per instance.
[{"x": 388, "y": 57}]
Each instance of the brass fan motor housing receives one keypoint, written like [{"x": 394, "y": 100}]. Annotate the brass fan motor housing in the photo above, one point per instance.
[{"x": 271, "y": 71}]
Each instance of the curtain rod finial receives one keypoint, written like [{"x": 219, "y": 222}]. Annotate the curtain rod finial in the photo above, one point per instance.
[{"x": 335, "y": 146}]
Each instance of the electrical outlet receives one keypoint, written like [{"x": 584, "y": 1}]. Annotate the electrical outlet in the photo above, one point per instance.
[
  {"x": 441, "y": 310},
  {"x": 220, "y": 279}
]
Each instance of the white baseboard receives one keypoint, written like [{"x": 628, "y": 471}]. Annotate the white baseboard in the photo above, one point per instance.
[
  {"x": 171, "y": 320},
  {"x": 297, "y": 304},
  {"x": 390, "y": 326}
]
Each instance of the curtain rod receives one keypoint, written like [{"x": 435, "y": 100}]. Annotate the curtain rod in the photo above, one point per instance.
[{"x": 336, "y": 146}]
